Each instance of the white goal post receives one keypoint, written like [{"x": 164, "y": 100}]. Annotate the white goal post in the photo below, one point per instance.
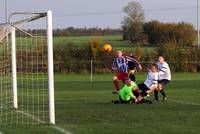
[{"x": 33, "y": 62}]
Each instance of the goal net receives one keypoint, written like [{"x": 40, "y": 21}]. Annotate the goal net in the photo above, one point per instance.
[{"x": 26, "y": 70}]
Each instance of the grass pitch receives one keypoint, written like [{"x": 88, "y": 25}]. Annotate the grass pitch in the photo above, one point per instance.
[{"x": 83, "y": 107}]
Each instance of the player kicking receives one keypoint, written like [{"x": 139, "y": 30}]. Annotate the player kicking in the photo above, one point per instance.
[
  {"x": 133, "y": 65},
  {"x": 119, "y": 65},
  {"x": 149, "y": 85},
  {"x": 126, "y": 93},
  {"x": 164, "y": 77}
]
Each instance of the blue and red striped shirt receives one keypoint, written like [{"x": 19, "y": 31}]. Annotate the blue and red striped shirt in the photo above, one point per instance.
[{"x": 120, "y": 63}]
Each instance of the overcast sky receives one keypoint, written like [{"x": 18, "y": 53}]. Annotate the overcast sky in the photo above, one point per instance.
[{"x": 103, "y": 13}]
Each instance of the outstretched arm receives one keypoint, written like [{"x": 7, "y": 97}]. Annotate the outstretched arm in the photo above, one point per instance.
[{"x": 136, "y": 62}]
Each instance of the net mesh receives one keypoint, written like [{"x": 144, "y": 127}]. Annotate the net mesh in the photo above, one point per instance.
[{"x": 32, "y": 74}]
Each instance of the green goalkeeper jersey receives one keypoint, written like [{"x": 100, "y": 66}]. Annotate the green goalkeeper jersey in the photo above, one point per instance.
[{"x": 126, "y": 92}]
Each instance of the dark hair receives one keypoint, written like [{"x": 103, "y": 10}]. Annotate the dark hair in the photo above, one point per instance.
[
  {"x": 153, "y": 64},
  {"x": 161, "y": 56}
]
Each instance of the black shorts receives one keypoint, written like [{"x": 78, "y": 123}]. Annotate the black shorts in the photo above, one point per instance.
[
  {"x": 132, "y": 77},
  {"x": 143, "y": 89},
  {"x": 164, "y": 82}
]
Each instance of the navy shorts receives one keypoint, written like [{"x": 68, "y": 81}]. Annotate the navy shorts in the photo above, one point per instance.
[
  {"x": 164, "y": 82},
  {"x": 143, "y": 89}
]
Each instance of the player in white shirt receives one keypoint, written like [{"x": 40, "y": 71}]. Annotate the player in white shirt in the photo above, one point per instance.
[
  {"x": 164, "y": 77},
  {"x": 149, "y": 85}
]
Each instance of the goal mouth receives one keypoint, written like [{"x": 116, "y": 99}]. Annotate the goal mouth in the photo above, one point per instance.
[{"x": 26, "y": 70}]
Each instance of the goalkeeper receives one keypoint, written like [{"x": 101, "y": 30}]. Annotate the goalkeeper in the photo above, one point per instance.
[
  {"x": 126, "y": 93},
  {"x": 133, "y": 65}
]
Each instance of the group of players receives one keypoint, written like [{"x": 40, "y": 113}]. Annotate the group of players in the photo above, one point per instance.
[{"x": 158, "y": 75}]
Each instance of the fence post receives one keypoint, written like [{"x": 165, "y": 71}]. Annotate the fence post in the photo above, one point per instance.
[{"x": 91, "y": 70}]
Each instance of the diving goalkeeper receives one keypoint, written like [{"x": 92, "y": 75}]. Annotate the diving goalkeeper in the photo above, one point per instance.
[{"x": 126, "y": 93}]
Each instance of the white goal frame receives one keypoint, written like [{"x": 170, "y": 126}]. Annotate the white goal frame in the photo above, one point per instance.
[{"x": 48, "y": 14}]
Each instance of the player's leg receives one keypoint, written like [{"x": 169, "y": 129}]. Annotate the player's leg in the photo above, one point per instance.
[
  {"x": 116, "y": 83},
  {"x": 117, "y": 101},
  {"x": 119, "y": 76},
  {"x": 132, "y": 77},
  {"x": 123, "y": 76},
  {"x": 140, "y": 95},
  {"x": 161, "y": 86},
  {"x": 156, "y": 95},
  {"x": 136, "y": 92},
  {"x": 123, "y": 101}
]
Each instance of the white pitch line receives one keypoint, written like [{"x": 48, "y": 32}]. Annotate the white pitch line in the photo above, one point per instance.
[
  {"x": 63, "y": 131},
  {"x": 31, "y": 116},
  {"x": 182, "y": 102},
  {"x": 76, "y": 102}
]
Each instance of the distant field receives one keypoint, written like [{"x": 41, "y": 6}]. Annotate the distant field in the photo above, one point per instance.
[
  {"x": 79, "y": 40},
  {"x": 83, "y": 107},
  {"x": 115, "y": 40}
]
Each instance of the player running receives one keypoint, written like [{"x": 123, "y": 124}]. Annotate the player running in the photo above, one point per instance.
[
  {"x": 119, "y": 65},
  {"x": 164, "y": 77}
]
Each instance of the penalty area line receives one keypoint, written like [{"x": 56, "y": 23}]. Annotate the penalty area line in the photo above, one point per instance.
[{"x": 61, "y": 130}]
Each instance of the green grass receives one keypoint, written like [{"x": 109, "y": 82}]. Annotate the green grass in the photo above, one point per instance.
[
  {"x": 115, "y": 40},
  {"x": 79, "y": 40},
  {"x": 83, "y": 107}
]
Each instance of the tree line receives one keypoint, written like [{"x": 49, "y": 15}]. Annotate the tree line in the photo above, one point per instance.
[
  {"x": 136, "y": 30},
  {"x": 154, "y": 33},
  {"x": 72, "y": 31}
]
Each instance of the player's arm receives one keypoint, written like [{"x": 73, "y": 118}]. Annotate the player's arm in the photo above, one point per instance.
[
  {"x": 131, "y": 95},
  {"x": 114, "y": 65},
  {"x": 137, "y": 63},
  {"x": 139, "y": 67},
  {"x": 163, "y": 69}
]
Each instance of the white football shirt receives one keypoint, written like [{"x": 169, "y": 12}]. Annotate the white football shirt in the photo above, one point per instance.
[{"x": 164, "y": 71}]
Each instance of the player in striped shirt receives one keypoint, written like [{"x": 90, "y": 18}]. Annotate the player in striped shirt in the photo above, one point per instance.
[
  {"x": 164, "y": 77},
  {"x": 133, "y": 66},
  {"x": 119, "y": 65}
]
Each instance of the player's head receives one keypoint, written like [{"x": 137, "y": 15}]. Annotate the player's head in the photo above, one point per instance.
[
  {"x": 128, "y": 82},
  {"x": 119, "y": 53},
  {"x": 161, "y": 59},
  {"x": 153, "y": 67}
]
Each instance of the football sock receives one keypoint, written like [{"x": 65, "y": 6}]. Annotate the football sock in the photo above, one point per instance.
[
  {"x": 156, "y": 94},
  {"x": 116, "y": 83},
  {"x": 163, "y": 93}
]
